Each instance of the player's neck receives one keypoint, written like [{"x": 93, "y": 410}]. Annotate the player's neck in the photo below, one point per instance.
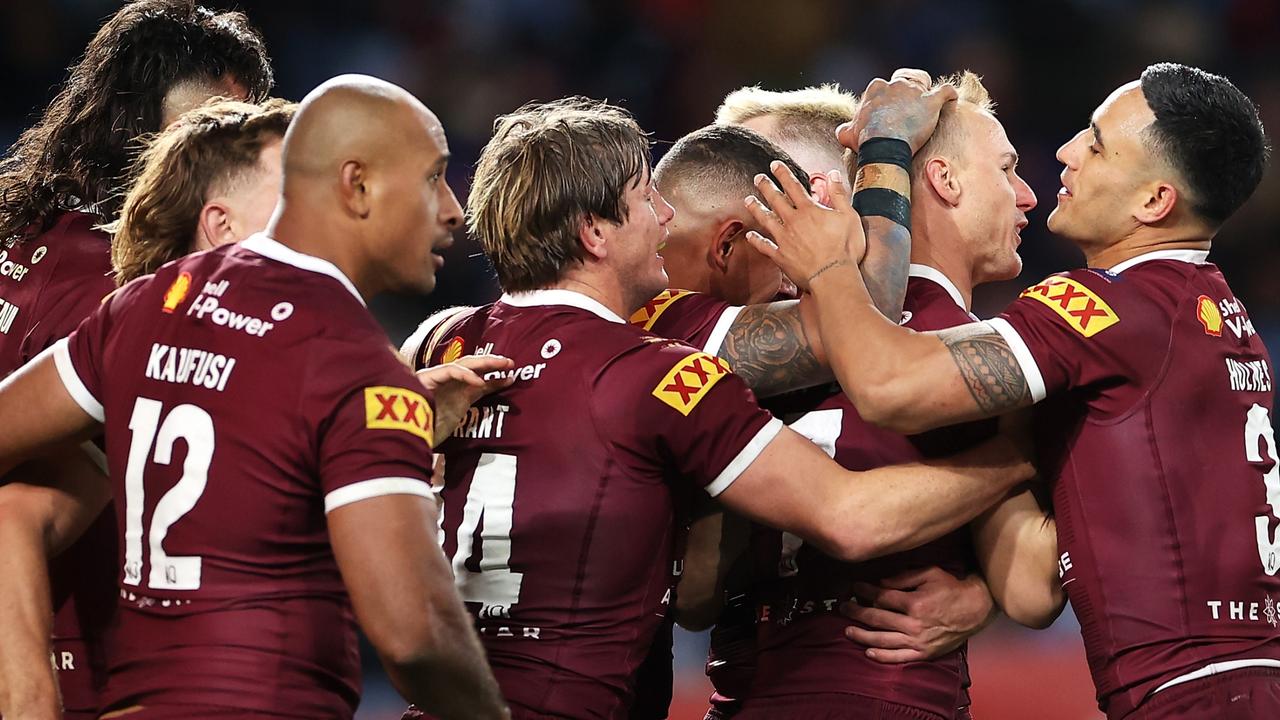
[
  {"x": 1142, "y": 241},
  {"x": 948, "y": 259},
  {"x": 598, "y": 287},
  {"x": 305, "y": 233}
]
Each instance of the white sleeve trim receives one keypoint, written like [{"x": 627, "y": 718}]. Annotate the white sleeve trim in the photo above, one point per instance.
[
  {"x": 747, "y": 456},
  {"x": 721, "y": 330},
  {"x": 1026, "y": 361},
  {"x": 366, "y": 489},
  {"x": 71, "y": 380}
]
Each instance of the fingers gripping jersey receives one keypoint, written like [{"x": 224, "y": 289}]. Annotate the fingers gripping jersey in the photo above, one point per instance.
[
  {"x": 560, "y": 492},
  {"x": 1158, "y": 433},
  {"x": 246, "y": 392},
  {"x": 48, "y": 284}
]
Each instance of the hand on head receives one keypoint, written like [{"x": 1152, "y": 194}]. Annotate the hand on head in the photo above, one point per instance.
[
  {"x": 905, "y": 107},
  {"x": 801, "y": 235}
]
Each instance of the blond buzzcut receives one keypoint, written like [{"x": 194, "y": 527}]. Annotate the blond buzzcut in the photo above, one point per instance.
[
  {"x": 808, "y": 116},
  {"x": 948, "y": 138},
  {"x": 547, "y": 168},
  {"x": 208, "y": 150}
]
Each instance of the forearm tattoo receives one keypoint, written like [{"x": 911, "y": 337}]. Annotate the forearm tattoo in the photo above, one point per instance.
[
  {"x": 990, "y": 370},
  {"x": 766, "y": 347},
  {"x": 885, "y": 267}
]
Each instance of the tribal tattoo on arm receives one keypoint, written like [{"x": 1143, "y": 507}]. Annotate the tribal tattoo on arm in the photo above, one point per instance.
[
  {"x": 767, "y": 348},
  {"x": 990, "y": 370}
]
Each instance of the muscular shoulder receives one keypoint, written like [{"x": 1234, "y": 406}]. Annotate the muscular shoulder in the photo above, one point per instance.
[
  {"x": 693, "y": 317},
  {"x": 1096, "y": 302},
  {"x": 928, "y": 306}
]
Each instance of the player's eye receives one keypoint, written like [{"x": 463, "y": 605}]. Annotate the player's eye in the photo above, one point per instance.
[{"x": 1093, "y": 150}]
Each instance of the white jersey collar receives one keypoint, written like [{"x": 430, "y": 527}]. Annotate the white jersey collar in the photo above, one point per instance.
[
  {"x": 262, "y": 244},
  {"x": 560, "y": 296},
  {"x": 1195, "y": 257},
  {"x": 934, "y": 274}
]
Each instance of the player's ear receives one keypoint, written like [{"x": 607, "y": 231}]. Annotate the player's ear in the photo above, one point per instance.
[
  {"x": 353, "y": 188},
  {"x": 213, "y": 227},
  {"x": 723, "y": 243},
  {"x": 592, "y": 236},
  {"x": 1160, "y": 200},
  {"x": 820, "y": 188},
  {"x": 943, "y": 180}
]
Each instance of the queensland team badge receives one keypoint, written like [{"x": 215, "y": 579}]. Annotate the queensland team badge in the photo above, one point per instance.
[
  {"x": 1209, "y": 316},
  {"x": 690, "y": 380},
  {"x": 177, "y": 292},
  {"x": 1083, "y": 310}
]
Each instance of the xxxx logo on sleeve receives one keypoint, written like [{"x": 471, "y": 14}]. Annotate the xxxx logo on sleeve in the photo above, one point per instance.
[
  {"x": 690, "y": 380},
  {"x": 646, "y": 316},
  {"x": 1083, "y": 310},
  {"x": 393, "y": 408}
]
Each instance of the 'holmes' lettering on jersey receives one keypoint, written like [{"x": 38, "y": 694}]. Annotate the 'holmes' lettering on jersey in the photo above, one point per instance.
[
  {"x": 189, "y": 366},
  {"x": 483, "y": 422},
  {"x": 1249, "y": 376}
]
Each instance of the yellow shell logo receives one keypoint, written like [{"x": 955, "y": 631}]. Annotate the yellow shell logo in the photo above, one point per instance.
[
  {"x": 453, "y": 351},
  {"x": 176, "y": 292},
  {"x": 1208, "y": 315}
]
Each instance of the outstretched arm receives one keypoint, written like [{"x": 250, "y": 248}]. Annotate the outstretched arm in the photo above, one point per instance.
[
  {"x": 853, "y": 516},
  {"x": 897, "y": 378}
]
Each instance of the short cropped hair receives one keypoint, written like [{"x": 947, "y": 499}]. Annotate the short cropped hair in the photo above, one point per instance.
[
  {"x": 808, "y": 116},
  {"x": 208, "y": 150},
  {"x": 723, "y": 159},
  {"x": 1209, "y": 132},
  {"x": 548, "y": 167},
  {"x": 948, "y": 138}
]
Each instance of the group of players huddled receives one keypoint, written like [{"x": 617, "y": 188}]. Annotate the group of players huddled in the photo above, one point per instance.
[{"x": 742, "y": 388}]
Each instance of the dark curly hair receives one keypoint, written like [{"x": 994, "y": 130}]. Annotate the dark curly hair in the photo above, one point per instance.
[{"x": 79, "y": 151}]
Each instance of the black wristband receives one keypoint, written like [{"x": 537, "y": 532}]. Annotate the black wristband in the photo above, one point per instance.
[
  {"x": 885, "y": 203},
  {"x": 891, "y": 151}
]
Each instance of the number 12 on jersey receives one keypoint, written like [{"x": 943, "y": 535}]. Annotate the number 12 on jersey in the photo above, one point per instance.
[{"x": 194, "y": 426}]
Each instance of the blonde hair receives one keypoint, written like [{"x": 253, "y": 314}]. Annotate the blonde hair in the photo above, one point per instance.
[
  {"x": 808, "y": 116},
  {"x": 548, "y": 167},
  {"x": 209, "y": 149},
  {"x": 948, "y": 138}
]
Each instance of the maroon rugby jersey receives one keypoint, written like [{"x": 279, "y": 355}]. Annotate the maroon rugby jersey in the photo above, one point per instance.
[
  {"x": 48, "y": 284},
  {"x": 560, "y": 491},
  {"x": 801, "y": 646},
  {"x": 1158, "y": 434},
  {"x": 246, "y": 392}
]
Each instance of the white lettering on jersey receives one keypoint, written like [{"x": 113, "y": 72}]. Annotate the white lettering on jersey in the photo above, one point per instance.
[
  {"x": 1235, "y": 317},
  {"x": 208, "y": 305},
  {"x": 8, "y": 312},
  {"x": 188, "y": 366},
  {"x": 217, "y": 289},
  {"x": 483, "y": 423},
  {"x": 524, "y": 372},
  {"x": 12, "y": 269},
  {"x": 1249, "y": 376},
  {"x": 1245, "y": 611}
]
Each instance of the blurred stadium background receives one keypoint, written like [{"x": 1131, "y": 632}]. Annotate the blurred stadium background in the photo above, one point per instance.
[{"x": 671, "y": 61}]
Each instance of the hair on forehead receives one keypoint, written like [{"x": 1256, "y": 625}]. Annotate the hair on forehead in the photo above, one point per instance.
[
  {"x": 548, "y": 168},
  {"x": 948, "y": 138}
]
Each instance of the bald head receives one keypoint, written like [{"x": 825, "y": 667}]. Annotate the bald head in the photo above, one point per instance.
[
  {"x": 364, "y": 165},
  {"x": 356, "y": 117}
]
